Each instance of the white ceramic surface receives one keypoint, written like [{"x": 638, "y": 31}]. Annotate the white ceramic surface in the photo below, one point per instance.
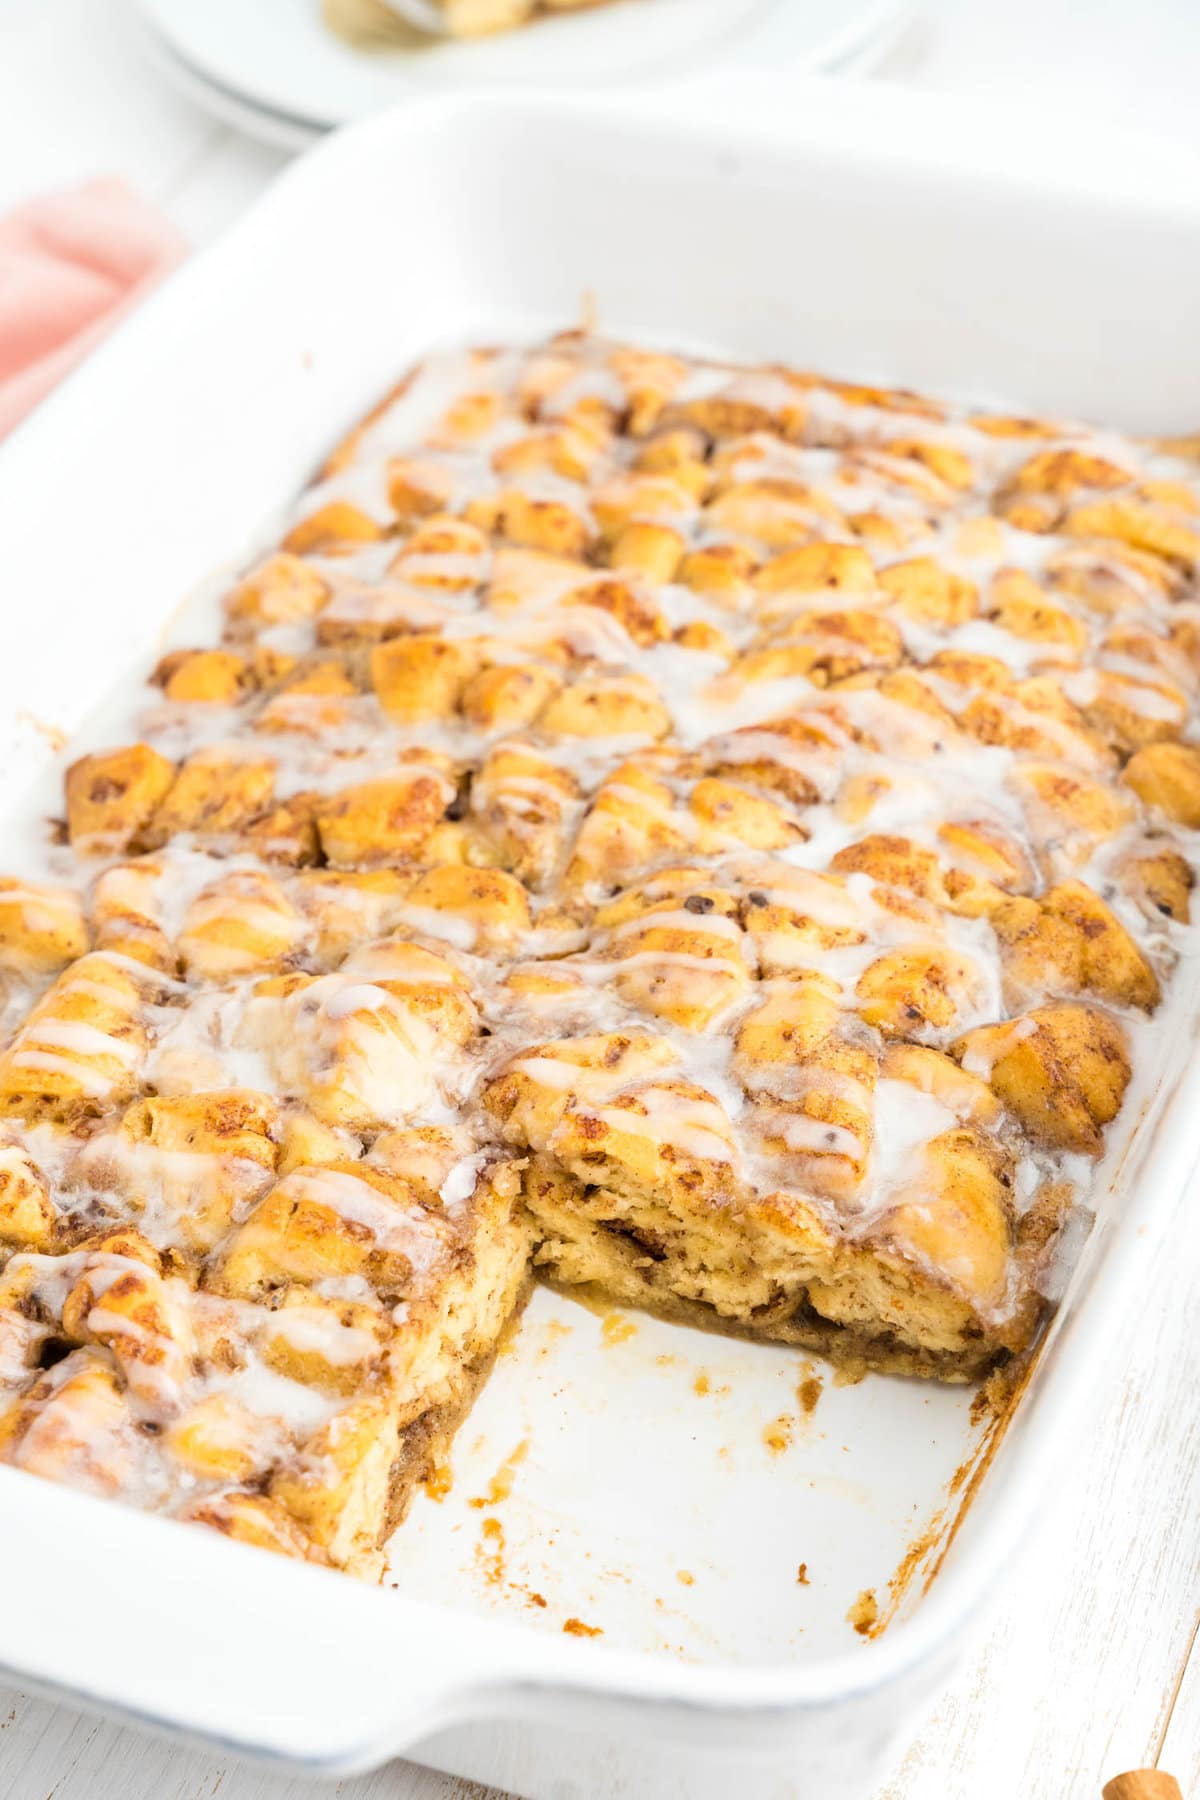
[
  {"x": 277, "y": 55},
  {"x": 281, "y": 130},
  {"x": 211, "y": 409}
]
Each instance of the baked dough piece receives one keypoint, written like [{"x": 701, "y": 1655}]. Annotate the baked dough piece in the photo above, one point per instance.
[{"x": 298, "y": 1394}]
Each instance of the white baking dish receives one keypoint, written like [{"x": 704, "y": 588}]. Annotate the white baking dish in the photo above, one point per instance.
[{"x": 873, "y": 233}]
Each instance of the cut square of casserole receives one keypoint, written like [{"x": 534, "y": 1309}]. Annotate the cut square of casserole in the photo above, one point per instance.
[
  {"x": 293, "y": 1387},
  {"x": 713, "y": 838}
]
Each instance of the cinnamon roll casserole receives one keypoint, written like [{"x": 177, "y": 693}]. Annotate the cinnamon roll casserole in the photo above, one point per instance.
[{"x": 710, "y": 838}]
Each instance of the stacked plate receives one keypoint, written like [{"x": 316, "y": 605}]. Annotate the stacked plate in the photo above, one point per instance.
[{"x": 276, "y": 70}]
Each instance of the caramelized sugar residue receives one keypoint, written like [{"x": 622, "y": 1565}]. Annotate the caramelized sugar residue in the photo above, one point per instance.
[
  {"x": 777, "y": 1436},
  {"x": 864, "y": 1613},
  {"x": 489, "y": 1553},
  {"x": 810, "y": 1389},
  {"x": 501, "y": 1484}
]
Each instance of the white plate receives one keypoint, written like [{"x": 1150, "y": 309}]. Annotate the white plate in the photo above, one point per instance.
[
  {"x": 281, "y": 130},
  {"x": 286, "y": 132},
  {"x": 278, "y": 56}
]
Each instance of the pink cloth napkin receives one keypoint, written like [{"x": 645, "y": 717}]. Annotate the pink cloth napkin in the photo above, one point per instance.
[{"x": 71, "y": 265}]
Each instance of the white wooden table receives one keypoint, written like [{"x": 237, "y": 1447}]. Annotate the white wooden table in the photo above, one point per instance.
[{"x": 1089, "y": 1663}]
